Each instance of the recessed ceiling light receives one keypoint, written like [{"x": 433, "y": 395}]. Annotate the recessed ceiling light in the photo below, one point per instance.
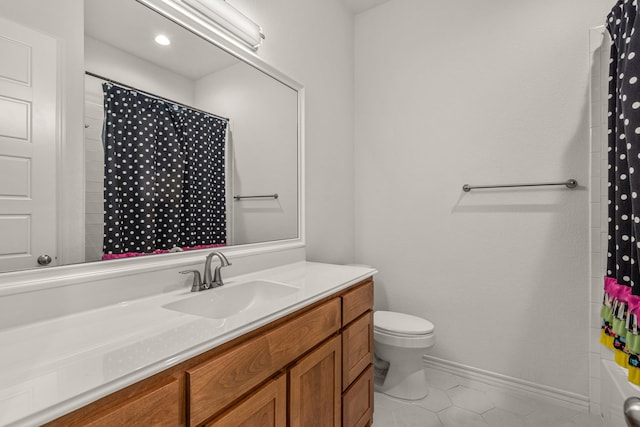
[{"x": 162, "y": 40}]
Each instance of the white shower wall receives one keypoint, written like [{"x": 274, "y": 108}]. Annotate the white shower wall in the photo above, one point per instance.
[
  {"x": 598, "y": 90},
  {"x": 467, "y": 92}
]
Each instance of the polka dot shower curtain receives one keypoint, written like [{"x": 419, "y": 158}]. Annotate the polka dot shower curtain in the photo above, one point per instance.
[
  {"x": 621, "y": 305},
  {"x": 164, "y": 176}
]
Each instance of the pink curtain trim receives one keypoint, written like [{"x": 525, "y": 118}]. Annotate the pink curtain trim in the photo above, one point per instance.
[
  {"x": 620, "y": 292},
  {"x": 158, "y": 251}
]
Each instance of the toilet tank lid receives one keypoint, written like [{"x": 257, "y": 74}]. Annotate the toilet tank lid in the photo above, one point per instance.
[{"x": 401, "y": 323}]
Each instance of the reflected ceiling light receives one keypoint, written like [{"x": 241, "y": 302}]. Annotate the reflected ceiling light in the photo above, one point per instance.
[
  {"x": 163, "y": 40},
  {"x": 230, "y": 19}
]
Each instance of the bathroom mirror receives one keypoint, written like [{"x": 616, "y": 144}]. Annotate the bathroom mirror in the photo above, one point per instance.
[{"x": 262, "y": 151}]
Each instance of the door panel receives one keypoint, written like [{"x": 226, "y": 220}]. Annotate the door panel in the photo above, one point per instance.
[{"x": 28, "y": 146}]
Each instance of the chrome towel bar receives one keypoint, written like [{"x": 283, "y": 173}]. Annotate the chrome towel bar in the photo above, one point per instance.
[
  {"x": 570, "y": 183},
  {"x": 266, "y": 196}
]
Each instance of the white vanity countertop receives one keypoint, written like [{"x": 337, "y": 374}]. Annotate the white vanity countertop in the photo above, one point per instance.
[{"x": 50, "y": 368}]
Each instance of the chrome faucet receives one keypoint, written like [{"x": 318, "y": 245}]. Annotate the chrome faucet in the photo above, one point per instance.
[{"x": 208, "y": 282}]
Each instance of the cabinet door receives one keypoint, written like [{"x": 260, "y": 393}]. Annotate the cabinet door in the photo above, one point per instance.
[
  {"x": 357, "y": 403},
  {"x": 315, "y": 388},
  {"x": 357, "y": 348},
  {"x": 265, "y": 408}
]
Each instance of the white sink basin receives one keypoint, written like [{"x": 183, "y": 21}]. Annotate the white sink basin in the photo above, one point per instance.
[{"x": 230, "y": 300}]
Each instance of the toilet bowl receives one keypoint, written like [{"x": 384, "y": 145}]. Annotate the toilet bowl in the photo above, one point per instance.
[{"x": 401, "y": 340}]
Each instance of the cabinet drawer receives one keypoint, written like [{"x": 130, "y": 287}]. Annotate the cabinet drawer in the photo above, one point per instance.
[
  {"x": 357, "y": 402},
  {"x": 265, "y": 408},
  {"x": 215, "y": 384},
  {"x": 356, "y": 302},
  {"x": 357, "y": 348},
  {"x": 157, "y": 406}
]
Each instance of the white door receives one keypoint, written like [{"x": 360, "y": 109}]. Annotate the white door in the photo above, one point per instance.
[{"x": 28, "y": 146}]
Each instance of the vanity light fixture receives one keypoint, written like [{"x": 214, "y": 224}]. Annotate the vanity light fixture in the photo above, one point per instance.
[
  {"x": 162, "y": 40},
  {"x": 230, "y": 19}
]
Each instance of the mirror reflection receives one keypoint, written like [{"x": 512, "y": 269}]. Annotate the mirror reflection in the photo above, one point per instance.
[{"x": 185, "y": 146}]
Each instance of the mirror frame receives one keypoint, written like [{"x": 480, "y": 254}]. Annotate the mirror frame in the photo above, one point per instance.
[{"x": 51, "y": 277}]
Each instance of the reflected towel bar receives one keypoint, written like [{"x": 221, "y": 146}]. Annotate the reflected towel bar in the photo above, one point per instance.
[
  {"x": 570, "y": 183},
  {"x": 269, "y": 196}
]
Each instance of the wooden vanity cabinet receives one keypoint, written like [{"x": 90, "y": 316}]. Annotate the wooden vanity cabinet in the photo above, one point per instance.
[
  {"x": 157, "y": 401},
  {"x": 267, "y": 407},
  {"x": 215, "y": 384},
  {"x": 310, "y": 368},
  {"x": 315, "y": 388},
  {"x": 357, "y": 356}
]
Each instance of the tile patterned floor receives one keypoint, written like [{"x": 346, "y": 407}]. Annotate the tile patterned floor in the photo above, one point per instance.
[{"x": 459, "y": 402}]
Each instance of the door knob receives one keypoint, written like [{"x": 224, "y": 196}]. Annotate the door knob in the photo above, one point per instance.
[
  {"x": 632, "y": 411},
  {"x": 44, "y": 259}
]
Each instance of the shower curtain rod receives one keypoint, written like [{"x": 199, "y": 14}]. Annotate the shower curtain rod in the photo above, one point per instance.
[
  {"x": 161, "y": 98},
  {"x": 570, "y": 183}
]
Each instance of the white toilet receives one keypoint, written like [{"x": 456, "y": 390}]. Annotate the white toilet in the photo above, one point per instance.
[{"x": 401, "y": 339}]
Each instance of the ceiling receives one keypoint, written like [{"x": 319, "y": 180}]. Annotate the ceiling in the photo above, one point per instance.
[
  {"x": 131, "y": 27},
  {"x": 358, "y": 6},
  {"x": 188, "y": 55}
]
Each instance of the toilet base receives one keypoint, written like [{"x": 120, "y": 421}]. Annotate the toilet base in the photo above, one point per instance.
[{"x": 402, "y": 383}]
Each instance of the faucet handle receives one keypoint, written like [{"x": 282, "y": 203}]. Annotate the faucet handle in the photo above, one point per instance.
[{"x": 197, "y": 281}]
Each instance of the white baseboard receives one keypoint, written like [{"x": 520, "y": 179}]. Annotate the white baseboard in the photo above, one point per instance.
[{"x": 526, "y": 388}]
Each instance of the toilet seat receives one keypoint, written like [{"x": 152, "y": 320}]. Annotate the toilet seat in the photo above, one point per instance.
[{"x": 401, "y": 324}]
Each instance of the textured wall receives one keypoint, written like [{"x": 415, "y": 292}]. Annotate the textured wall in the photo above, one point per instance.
[{"x": 480, "y": 93}]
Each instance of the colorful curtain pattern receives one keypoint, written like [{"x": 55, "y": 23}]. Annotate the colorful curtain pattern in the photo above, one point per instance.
[
  {"x": 621, "y": 305},
  {"x": 164, "y": 176}
]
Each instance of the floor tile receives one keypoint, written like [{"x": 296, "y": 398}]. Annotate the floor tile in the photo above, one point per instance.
[
  {"x": 497, "y": 417},
  {"x": 383, "y": 410},
  {"x": 470, "y": 399},
  {"x": 435, "y": 401},
  {"x": 415, "y": 416},
  {"x": 458, "y": 417},
  {"x": 453, "y": 402},
  {"x": 439, "y": 379},
  {"x": 549, "y": 415},
  {"x": 512, "y": 402}
]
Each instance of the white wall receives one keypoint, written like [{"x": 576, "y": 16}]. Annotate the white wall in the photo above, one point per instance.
[
  {"x": 449, "y": 93},
  {"x": 263, "y": 150},
  {"x": 312, "y": 41}
]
